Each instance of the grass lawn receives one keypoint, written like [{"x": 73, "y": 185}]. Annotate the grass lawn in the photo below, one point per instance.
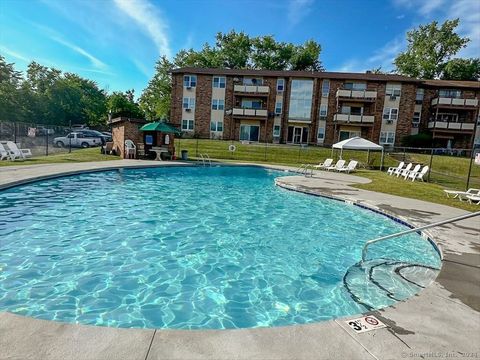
[
  {"x": 78, "y": 155},
  {"x": 381, "y": 182}
]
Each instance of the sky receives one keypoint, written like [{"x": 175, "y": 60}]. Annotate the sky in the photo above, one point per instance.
[{"x": 116, "y": 42}]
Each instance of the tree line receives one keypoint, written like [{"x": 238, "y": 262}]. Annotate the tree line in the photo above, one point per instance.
[{"x": 45, "y": 95}]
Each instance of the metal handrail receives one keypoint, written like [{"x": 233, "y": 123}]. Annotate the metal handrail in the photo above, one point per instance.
[{"x": 457, "y": 218}]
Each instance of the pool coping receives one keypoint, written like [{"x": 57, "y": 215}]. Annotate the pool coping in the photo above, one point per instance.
[{"x": 25, "y": 337}]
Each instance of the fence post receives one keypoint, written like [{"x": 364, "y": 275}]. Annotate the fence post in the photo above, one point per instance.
[
  {"x": 265, "y": 150},
  {"x": 46, "y": 141},
  {"x": 430, "y": 165},
  {"x": 404, "y": 155},
  {"x": 196, "y": 148},
  {"x": 15, "y": 132},
  {"x": 470, "y": 168}
]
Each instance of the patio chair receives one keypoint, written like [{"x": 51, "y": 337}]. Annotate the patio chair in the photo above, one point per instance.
[
  {"x": 325, "y": 164},
  {"x": 462, "y": 194},
  {"x": 18, "y": 153},
  {"x": 4, "y": 154},
  {"x": 474, "y": 199},
  {"x": 130, "y": 149},
  {"x": 418, "y": 175},
  {"x": 413, "y": 172},
  {"x": 402, "y": 172},
  {"x": 350, "y": 167},
  {"x": 391, "y": 170},
  {"x": 337, "y": 166}
]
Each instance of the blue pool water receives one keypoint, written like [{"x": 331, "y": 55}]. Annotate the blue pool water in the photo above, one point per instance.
[{"x": 188, "y": 248}]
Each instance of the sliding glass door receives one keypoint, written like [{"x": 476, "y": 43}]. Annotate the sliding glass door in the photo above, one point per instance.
[{"x": 249, "y": 132}]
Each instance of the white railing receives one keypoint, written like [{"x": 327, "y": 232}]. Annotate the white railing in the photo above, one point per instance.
[
  {"x": 369, "y": 119},
  {"x": 357, "y": 94},
  {"x": 251, "y": 89},
  {"x": 450, "y": 125},
  {"x": 250, "y": 112},
  {"x": 454, "y": 101},
  {"x": 448, "y": 221}
]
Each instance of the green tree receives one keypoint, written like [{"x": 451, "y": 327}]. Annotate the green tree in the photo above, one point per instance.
[
  {"x": 307, "y": 57},
  {"x": 11, "y": 107},
  {"x": 429, "y": 49},
  {"x": 268, "y": 54},
  {"x": 123, "y": 104},
  {"x": 462, "y": 69},
  {"x": 234, "y": 49},
  {"x": 155, "y": 99}
]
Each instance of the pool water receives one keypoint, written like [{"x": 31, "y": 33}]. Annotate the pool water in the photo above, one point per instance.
[{"x": 188, "y": 248}]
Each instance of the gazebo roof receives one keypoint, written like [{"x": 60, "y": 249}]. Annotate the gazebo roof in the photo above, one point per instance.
[
  {"x": 357, "y": 143},
  {"x": 161, "y": 127}
]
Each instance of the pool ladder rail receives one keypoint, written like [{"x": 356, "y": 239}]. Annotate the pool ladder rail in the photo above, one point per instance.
[
  {"x": 305, "y": 169},
  {"x": 205, "y": 159},
  {"x": 417, "y": 230}
]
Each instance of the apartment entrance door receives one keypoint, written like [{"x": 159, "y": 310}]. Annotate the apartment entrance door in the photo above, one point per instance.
[{"x": 297, "y": 135}]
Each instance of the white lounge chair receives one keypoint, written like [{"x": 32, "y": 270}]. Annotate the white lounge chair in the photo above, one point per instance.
[
  {"x": 18, "y": 153},
  {"x": 474, "y": 199},
  {"x": 337, "y": 166},
  {"x": 325, "y": 164},
  {"x": 130, "y": 149},
  {"x": 418, "y": 175},
  {"x": 4, "y": 154},
  {"x": 415, "y": 170},
  {"x": 350, "y": 167},
  {"x": 392, "y": 170},
  {"x": 400, "y": 172},
  {"x": 462, "y": 194}
]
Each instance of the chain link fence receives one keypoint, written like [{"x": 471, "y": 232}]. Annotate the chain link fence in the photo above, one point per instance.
[
  {"x": 41, "y": 140},
  {"x": 453, "y": 168}
]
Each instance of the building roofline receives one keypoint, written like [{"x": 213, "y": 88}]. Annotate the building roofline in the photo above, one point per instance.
[{"x": 326, "y": 75}]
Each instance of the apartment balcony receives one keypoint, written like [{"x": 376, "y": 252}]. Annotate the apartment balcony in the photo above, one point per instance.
[
  {"x": 357, "y": 95},
  {"x": 250, "y": 113},
  {"x": 455, "y": 103},
  {"x": 355, "y": 119},
  {"x": 251, "y": 90},
  {"x": 453, "y": 126}
]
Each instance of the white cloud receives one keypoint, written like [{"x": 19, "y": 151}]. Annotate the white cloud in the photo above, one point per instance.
[
  {"x": 297, "y": 10},
  {"x": 150, "y": 20},
  {"x": 14, "y": 54},
  {"x": 386, "y": 54},
  {"x": 144, "y": 69},
  {"x": 95, "y": 61}
]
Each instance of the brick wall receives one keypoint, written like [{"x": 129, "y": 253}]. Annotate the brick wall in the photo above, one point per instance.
[
  {"x": 177, "y": 100},
  {"x": 405, "y": 112}
]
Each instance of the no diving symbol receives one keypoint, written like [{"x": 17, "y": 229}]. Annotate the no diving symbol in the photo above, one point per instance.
[{"x": 371, "y": 320}]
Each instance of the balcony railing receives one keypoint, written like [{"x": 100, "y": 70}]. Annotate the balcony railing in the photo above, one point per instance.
[
  {"x": 357, "y": 94},
  {"x": 363, "y": 119},
  {"x": 446, "y": 125},
  {"x": 454, "y": 101},
  {"x": 251, "y": 89},
  {"x": 250, "y": 112}
]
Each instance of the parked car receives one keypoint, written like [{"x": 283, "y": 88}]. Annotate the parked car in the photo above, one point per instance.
[
  {"x": 42, "y": 131},
  {"x": 77, "y": 139},
  {"x": 95, "y": 134},
  {"x": 108, "y": 135},
  {"x": 78, "y": 127}
]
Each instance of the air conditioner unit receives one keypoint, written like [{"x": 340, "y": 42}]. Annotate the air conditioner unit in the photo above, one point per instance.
[
  {"x": 189, "y": 87},
  {"x": 188, "y": 109},
  {"x": 236, "y": 79},
  {"x": 393, "y": 97},
  {"x": 414, "y": 125},
  {"x": 389, "y": 121}
]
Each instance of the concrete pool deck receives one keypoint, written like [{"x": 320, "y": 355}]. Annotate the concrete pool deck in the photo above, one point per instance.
[{"x": 441, "y": 321}]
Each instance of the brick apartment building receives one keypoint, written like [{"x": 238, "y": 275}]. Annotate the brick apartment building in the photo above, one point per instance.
[{"x": 299, "y": 107}]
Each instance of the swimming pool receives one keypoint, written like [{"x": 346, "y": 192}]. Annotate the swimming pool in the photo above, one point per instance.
[{"x": 196, "y": 248}]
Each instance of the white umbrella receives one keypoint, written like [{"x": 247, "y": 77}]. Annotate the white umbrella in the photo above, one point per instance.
[{"x": 358, "y": 143}]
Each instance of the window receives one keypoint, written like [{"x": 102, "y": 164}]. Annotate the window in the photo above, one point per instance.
[
  {"x": 187, "y": 125},
  {"x": 387, "y": 137},
  {"x": 188, "y": 103},
  {"x": 447, "y": 117},
  {"x": 190, "y": 80},
  {"x": 354, "y": 86},
  {"x": 216, "y": 125},
  {"x": 323, "y": 111},
  {"x": 450, "y": 93},
  {"x": 390, "y": 113},
  {"x": 276, "y": 131},
  {"x": 219, "y": 82},
  {"x": 253, "y": 81},
  {"x": 393, "y": 90},
  {"x": 416, "y": 117},
  {"x": 325, "y": 87},
  {"x": 249, "y": 132},
  {"x": 280, "y": 84},
  {"x": 218, "y": 104},
  {"x": 321, "y": 133},
  {"x": 301, "y": 99},
  {"x": 419, "y": 96},
  {"x": 251, "y": 104},
  {"x": 278, "y": 107}
]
